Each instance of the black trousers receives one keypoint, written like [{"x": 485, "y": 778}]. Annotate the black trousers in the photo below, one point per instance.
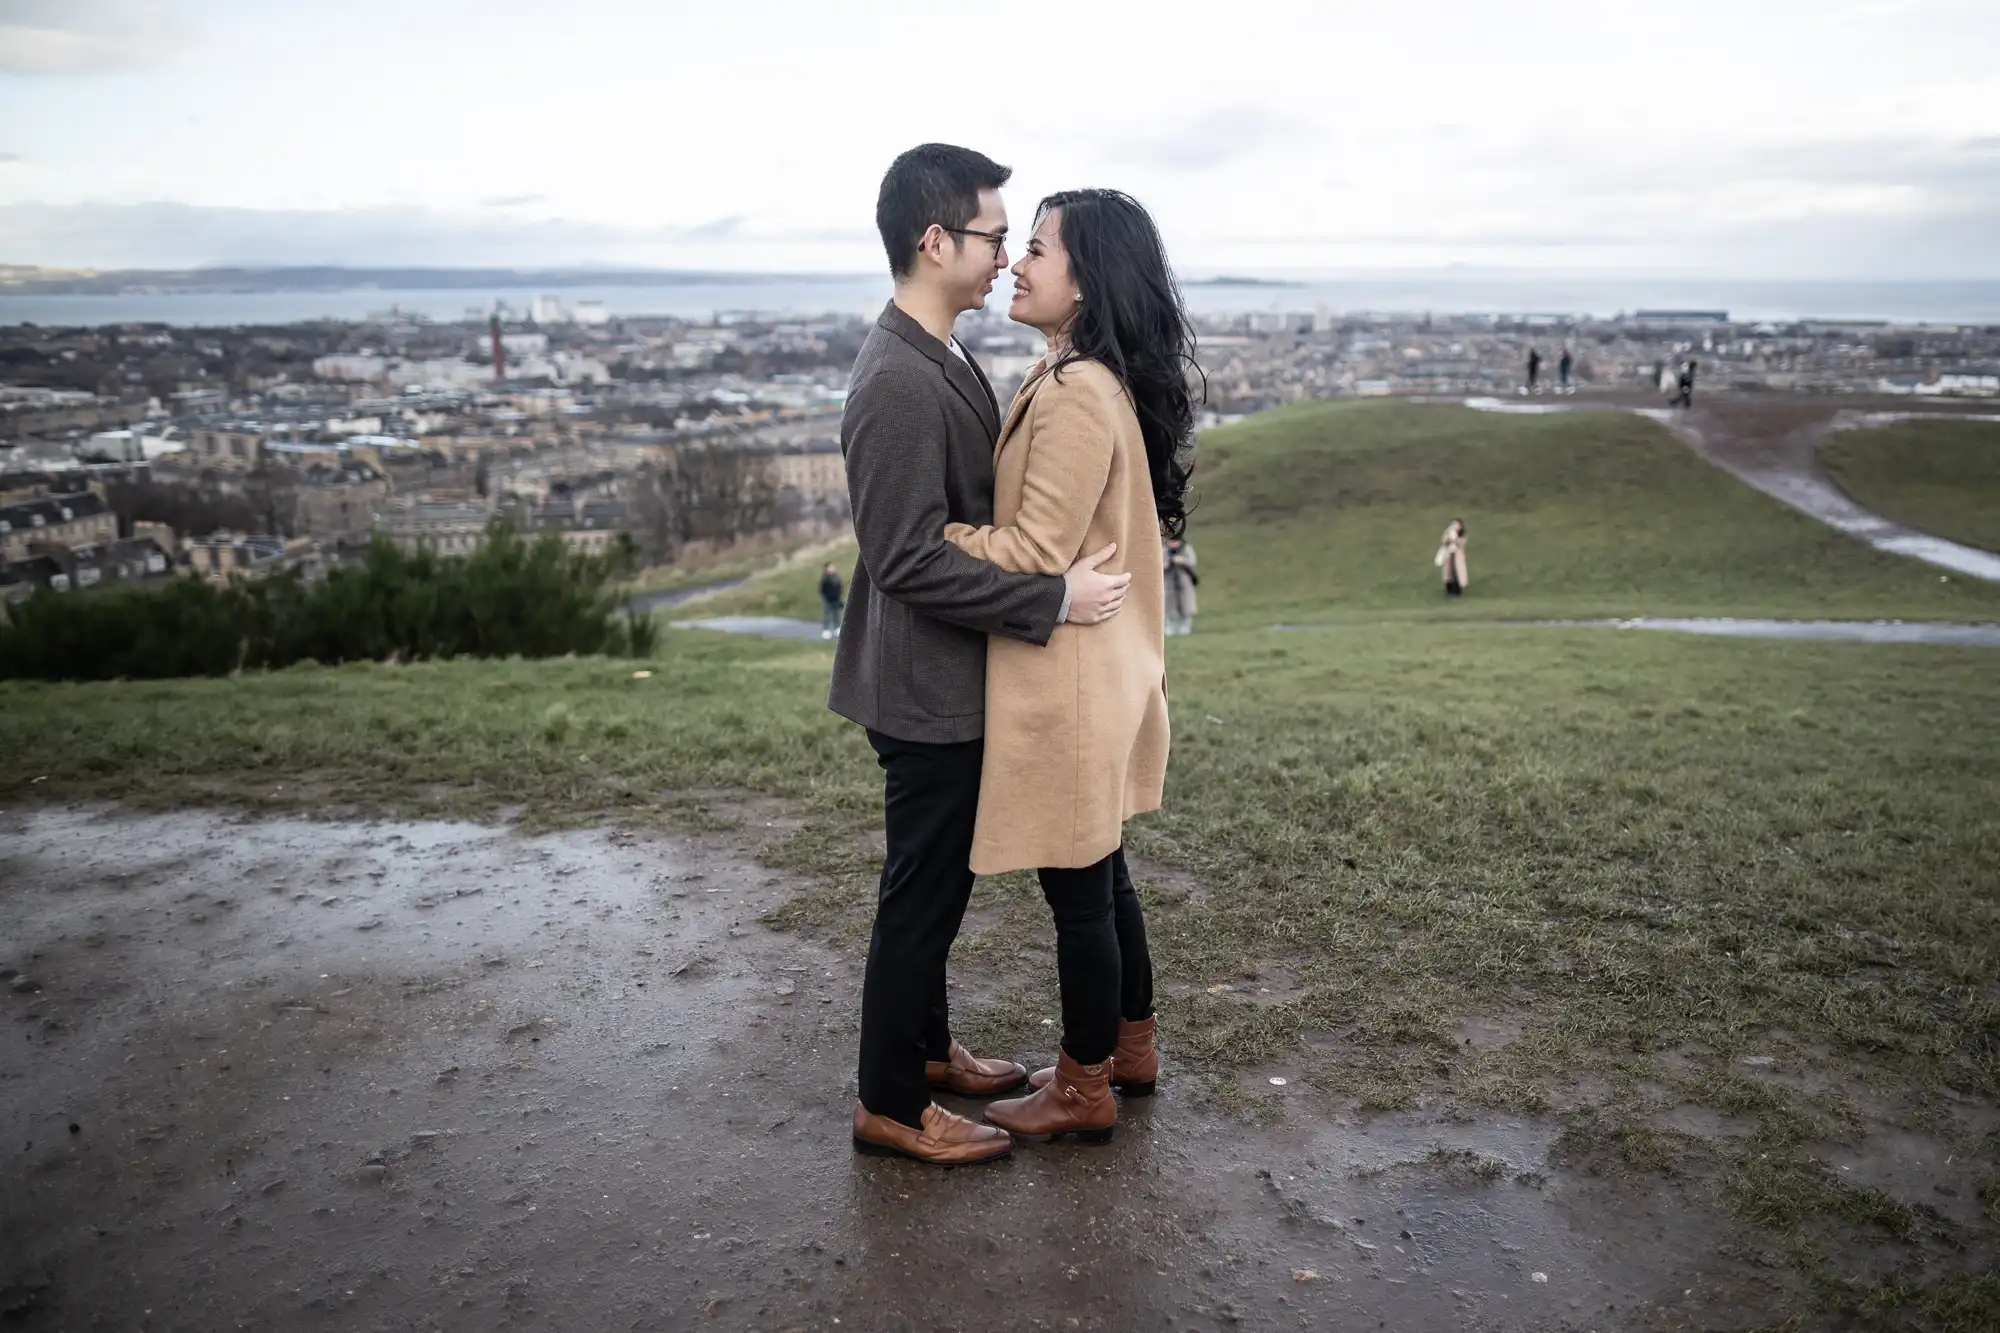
[
  {"x": 930, "y": 798},
  {"x": 1101, "y": 957}
]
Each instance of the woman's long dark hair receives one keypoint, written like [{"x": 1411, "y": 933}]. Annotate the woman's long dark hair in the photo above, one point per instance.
[{"x": 1132, "y": 320}]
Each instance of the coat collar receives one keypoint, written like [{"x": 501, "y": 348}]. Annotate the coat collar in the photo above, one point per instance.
[
  {"x": 1031, "y": 383},
  {"x": 962, "y": 374}
]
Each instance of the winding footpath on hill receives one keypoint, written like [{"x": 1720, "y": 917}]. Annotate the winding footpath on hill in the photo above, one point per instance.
[{"x": 1775, "y": 448}]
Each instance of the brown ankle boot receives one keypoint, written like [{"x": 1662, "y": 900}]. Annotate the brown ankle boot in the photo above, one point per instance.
[
  {"x": 1077, "y": 1100},
  {"x": 1135, "y": 1064}
]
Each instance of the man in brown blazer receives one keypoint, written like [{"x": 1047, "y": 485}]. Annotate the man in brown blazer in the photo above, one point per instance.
[{"x": 918, "y": 434}]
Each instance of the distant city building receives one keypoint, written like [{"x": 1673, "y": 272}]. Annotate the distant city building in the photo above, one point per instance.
[
  {"x": 81, "y": 519},
  {"x": 449, "y": 527},
  {"x": 1679, "y": 318},
  {"x": 222, "y": 556}
]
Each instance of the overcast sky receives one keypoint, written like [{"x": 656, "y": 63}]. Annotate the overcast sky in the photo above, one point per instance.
[{"x": 1837, "y": 139}]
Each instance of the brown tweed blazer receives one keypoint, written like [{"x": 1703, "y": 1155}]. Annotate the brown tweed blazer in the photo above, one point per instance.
[{"x": 918, "y": 435}]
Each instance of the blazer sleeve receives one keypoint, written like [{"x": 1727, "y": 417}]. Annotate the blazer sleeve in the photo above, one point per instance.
[
  {"x": 894, "y": 439},
  {"x": 1070, "y": 441}
]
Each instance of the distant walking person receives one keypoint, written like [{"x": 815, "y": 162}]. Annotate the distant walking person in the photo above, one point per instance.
[
  {"x": 1685, "y": 398},
  {"x": 1534, "y": 369},
  {"x": 1563, "y": 369},
  {"x": 1451, "y": 559},
  {"x": 831, "y": 595},
  {"x": 1179, "y": 563}
]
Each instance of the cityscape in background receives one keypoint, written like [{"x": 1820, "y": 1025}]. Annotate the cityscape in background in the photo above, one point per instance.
[{"x": 130, "y": 451}]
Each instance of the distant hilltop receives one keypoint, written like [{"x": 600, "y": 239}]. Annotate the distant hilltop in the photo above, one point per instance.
[
  {"x": 25, "y": 280},
  {"x": 1227, "y": 280}
]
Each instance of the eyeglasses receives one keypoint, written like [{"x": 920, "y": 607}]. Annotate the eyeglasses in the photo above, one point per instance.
[{"x": 999, "y": 238}]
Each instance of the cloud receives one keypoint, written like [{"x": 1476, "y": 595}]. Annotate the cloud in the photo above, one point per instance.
[
  {"x": 6, "y": 158},
  {"x": 76, "y": 37},
  {"x": 513, "y": 201},
  {"x": 173, "y": 235},
  {"x": 1210, "y": 139}
]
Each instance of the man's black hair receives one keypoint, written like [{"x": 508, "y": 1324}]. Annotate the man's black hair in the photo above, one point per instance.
[{"x": 933, "y": 182}]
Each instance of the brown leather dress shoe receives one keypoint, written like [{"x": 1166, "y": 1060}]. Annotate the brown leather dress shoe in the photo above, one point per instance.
[
  {"x": 1135, "y": 1064},
  {"x": 969, "y": 1076},
  {"x": 945, "y": 1139},
  {"x": 1076, "y": 1101}
]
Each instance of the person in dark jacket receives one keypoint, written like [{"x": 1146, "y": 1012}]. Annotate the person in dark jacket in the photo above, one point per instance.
[
  {"x": 1534, "y": 369},
  {"x": 1685, "y": 398},
  {"x": 1563, "y": 368},
  {"x": 831, "y": 593}
]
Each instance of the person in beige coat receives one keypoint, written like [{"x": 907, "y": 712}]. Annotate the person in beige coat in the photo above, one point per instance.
[
  {"x": 1095, "y": 451},
  {"x": 1450, "y": 559}
]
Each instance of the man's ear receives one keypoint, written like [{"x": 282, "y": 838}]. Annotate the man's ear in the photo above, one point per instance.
[{"x": 931, "y": 243}]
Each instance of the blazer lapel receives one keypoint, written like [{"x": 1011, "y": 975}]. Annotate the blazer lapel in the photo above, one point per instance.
[
  {"x": 986, "y": 385},
  {"x": 968, "y": 380},
  {"x": 972, "y": 387}
]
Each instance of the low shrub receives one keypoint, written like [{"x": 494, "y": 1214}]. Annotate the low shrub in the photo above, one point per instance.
[{"x": 512, "y": 597}]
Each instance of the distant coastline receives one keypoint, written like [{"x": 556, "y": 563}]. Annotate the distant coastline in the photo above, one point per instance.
[
  {"x": 1227, "y": 280},
  {"x": 243, "y": 296},
  {"x": 247, "y": 279}
]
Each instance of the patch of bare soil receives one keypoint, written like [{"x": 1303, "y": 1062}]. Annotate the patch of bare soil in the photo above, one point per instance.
[{"x": 293, "y": 1074}]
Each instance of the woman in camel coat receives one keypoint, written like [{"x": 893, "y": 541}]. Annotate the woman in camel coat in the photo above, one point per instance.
[
  {"x": 1076, "y": 733},
  {"x": 1095, "y": 450},
  {"x": 1451, "y": 558}
]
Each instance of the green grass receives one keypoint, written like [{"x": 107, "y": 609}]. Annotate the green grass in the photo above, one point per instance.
[
  {"x": 1940, "y": 477},
  {"x": 1332, "y": 511},
  {"x": 1651, "y": 855},
  {"x": 1654, "y": 842}
]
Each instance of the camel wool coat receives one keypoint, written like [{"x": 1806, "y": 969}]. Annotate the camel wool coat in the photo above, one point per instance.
[
  {"x": 1450, "y": 558},
  {"x": 1076, "y": 732}
]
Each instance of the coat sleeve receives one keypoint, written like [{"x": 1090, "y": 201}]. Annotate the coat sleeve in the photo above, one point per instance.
[
  {"x": 1070, "y": 442},
  {"x": 894, "y": 441}
]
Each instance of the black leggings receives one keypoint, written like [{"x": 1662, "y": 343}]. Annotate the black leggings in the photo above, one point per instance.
[{"x": 1101, "y": 956}]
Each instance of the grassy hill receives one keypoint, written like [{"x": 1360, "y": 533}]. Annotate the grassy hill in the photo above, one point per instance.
[
  {"x": 1332, "y": 511},
  {"x": 1940, "y": 477}
]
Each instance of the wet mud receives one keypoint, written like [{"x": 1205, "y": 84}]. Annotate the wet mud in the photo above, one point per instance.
[{"x": 283, "y": 1074}]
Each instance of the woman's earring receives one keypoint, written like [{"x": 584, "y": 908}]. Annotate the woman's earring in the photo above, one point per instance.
[{"x": 1079, "y": 298}]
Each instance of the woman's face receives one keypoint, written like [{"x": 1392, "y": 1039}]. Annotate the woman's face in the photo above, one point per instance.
[{"x": 1045, "y": 294}]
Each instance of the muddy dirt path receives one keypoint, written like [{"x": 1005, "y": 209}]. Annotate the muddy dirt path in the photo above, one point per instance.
[
  {"x": 295, "y": 1075},
  {"x": 1774, "y": 446}
]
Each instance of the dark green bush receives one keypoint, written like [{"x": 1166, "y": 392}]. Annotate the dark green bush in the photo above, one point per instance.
[{"x": 510, "y": 598}]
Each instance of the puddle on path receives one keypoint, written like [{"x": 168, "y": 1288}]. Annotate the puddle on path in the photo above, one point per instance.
[
  {"x": 438, "y": 1075},
  {"x": 645, "y": 603},
  {"x": 764, "y": 627},
  {"x": 1837, "y": 631},
  {"x": 1948, "y": 633}
]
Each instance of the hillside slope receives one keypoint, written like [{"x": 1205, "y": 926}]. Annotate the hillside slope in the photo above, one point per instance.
[{"x": 1332, "y": 511}]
